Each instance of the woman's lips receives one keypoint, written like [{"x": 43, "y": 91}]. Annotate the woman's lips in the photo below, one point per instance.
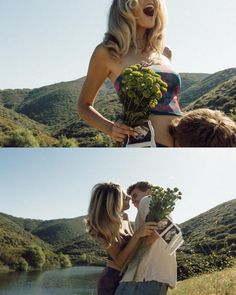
[{"x": 149, "y": 10}]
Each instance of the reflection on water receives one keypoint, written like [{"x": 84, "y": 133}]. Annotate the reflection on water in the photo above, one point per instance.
[{"x": 70, "y": 281}]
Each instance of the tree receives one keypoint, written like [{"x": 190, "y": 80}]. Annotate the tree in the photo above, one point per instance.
[
  {"x": 21, "y": 138},
  {"x": 64, "y": 260},
  {"x": 67, "y": 142},
  {"x": 35, "y": 256}
]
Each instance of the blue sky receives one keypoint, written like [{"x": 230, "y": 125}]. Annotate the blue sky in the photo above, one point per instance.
[
  {"x": 56, "y": 183},
  {"x": 48, "y": 41}
]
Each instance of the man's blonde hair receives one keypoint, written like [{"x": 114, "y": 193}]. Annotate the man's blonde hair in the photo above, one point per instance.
[
  {"x": 204, "y": 128},
  {"x": 121, "y": 34}
]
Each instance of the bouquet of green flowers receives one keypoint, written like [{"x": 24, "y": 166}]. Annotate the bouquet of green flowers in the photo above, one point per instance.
[
  {"x": 139, "y": 90},
  {"x": 162, "y": 203}
]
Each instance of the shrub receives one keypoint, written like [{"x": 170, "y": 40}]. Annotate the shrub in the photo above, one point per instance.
[
  {"x": 35, "y": 256},
  {"x": 21, "y": 138},
  {"x": 67, "y": 142},
  {"x": 21, "y": 265},
  {"x": 64, "y": 260}
]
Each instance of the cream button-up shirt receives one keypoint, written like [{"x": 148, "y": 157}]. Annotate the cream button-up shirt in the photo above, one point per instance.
[{"x": 156, "y": 264}]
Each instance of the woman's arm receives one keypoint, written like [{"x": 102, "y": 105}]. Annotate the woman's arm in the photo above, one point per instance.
[
  {"x": 99, "y": 69},
  {"x": 121, "y": 256}
]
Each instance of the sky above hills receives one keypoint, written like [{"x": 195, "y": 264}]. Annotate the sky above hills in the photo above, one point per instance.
[
  {"x": 56, "y": 183},
  {"x": 48, "y": 41}
]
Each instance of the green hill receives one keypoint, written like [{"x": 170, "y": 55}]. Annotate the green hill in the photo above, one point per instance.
[
  {"x": 59, "y": 231},
  {"x": 56, "y": 104},
  {"x": 202, "y": 87},
  {"x": 11, "y": 98},
  {"x": 188, "y": 79},
  {"x": 53, "y": 115},
  {"x": 52, "y": 105},
  {"x": 84, "y": 249},
  {"x": 217, "y": 283},
  {"x": 26, "y": 224},
  {"x": 20, "y": 250},
  {"x": 18, "y": 130},
  {"x": 216, "y": 229},
  {"x": 222, "y": 97},
  {"x": 210, "y": 241}
]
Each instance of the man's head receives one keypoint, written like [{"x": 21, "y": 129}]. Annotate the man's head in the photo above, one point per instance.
[
  {"x": 139, "y": 190},
  {"x": 203, "y": 128}
]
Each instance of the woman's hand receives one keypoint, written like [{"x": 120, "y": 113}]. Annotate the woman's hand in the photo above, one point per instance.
[
  {"x": 120, "y": 131},
  {"x": 146, "y": 230}
]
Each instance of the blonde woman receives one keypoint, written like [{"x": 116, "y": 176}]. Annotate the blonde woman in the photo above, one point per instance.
[
  {"x": 108, "y": 224},
  {"x": 136, "y": 30}
]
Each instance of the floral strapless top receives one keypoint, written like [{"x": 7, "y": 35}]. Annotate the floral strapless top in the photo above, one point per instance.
[{"x": 169, "y": 103}]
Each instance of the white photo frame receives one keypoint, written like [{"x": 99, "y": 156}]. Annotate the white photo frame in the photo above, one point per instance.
[{"x": 171, "y": 234}]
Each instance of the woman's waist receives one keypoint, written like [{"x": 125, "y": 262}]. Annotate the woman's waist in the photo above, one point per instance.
[
  {"x": 112, "y": 264},
  {"x": 164, "y": 119},
  {"x": 161, "y": 125}
]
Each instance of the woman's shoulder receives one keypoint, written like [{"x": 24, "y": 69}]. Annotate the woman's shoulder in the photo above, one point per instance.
[{"x": 102, "y": 53}]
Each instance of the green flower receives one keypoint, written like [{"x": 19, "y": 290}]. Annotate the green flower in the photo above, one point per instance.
[{"x": 141, "y": 89}]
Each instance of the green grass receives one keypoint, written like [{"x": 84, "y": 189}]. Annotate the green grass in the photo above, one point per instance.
[{"x": 216, "y": 283}]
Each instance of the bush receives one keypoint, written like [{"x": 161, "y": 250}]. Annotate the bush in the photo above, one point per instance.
[
  {"x": 35, "y": 256},
  {"x": 191, "y": 265},
  {"x": 21, "y": 138},
  {"x": 21, "y": 265},
  {"x": 64, "y": 260},
  {"x": 67, "y": 142}
]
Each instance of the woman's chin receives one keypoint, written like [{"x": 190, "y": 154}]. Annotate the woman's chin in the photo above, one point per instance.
[{"x": 147, "y": 25}]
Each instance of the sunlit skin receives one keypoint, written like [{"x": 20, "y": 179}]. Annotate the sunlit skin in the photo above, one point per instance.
[
  {"x": 120, "y": 256},
  {"x": 126, "y": 200},
  {"x": 137, "y": 195},
  {"x": 103, "y": 66}
]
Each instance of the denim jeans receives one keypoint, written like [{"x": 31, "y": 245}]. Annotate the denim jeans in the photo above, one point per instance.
[{"x": 142, "y": 288}]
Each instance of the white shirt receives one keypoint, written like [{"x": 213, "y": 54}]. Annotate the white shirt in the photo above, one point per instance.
[{"x": 156, "y": 264}]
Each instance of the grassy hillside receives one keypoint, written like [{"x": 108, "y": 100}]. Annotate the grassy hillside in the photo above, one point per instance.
[
  {"x": 53, "y": 104},
  {"x": 217, "y": 283},
  {"x": 11, "y": 98},
  {"x": 53, "y": 114},
  {"x": 217, "y": 224},
  {"x": 202, "y": 87},
  {"x": 20, "y": 250},
  {"x": 188, "y": 79},
  {"x": 222, "y": 97},
  {"x": 25, "y": 223},
  {"x": 210, "y": 241},
  {"x": 84, "y": 249},
  {"x": 18, "y": 130},
  {"x": 59, "y": 231}
]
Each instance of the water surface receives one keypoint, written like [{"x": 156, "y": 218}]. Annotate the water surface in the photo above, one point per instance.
[{"x": 80, "y": 280}]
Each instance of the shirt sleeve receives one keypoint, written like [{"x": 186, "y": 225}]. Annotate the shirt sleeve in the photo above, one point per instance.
[
  {"x": 143, "y": 207},
  {"x": 143, "y": 210}
]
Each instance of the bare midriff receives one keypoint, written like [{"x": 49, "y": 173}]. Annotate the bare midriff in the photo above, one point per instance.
[
  {"x": 162, "y": 135},
  {"x": 112, "y": 265}
]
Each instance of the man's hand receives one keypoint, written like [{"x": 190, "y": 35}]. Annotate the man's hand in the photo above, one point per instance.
[{"x": 151, "y": 239}]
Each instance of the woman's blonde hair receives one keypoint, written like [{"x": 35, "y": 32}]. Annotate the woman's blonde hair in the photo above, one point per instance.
[
  {"x": 121, "y": 34},
  {"x": 104, "y": 214}
]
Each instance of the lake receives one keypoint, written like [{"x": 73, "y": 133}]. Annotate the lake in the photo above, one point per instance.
[{"x": 80, "y": 280}]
